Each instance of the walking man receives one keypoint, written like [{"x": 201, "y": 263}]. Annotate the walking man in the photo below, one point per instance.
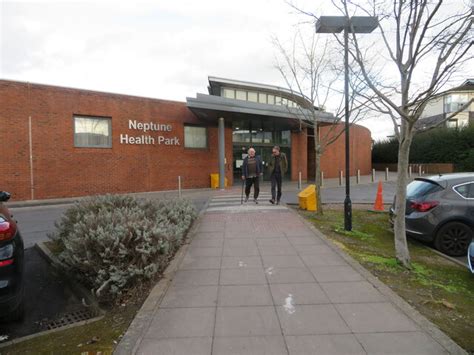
[
  {"x": 277, "y": 166},
  {"x": 251, "y": 171}
]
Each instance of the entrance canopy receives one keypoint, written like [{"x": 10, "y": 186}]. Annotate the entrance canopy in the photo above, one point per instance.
[
  {"x": 259, "y": 115},
  {"x": 209, "y": 108}
]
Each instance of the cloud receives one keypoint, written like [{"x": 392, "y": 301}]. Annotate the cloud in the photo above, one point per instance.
[{"x": 163, "y": 49}]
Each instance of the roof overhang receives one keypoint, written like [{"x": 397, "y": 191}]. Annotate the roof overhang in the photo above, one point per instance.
[{"x": 209, "y": 108}]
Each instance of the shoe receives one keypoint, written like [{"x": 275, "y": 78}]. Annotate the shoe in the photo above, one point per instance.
[
  {"x": 278, "y": 202},
  {"x": 272, "y": 201},
  {"x": 256, "y": 202},
  {"x": 246, "y": 198}
]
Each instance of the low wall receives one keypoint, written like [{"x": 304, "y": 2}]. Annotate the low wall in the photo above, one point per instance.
[{"x": 431, "y": 168}]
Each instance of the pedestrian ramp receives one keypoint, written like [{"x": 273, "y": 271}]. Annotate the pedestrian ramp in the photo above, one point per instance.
[{"x": 232, "y": 203}]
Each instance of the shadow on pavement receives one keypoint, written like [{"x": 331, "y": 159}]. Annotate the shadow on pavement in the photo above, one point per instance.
[{"x": 46, "y": 297}]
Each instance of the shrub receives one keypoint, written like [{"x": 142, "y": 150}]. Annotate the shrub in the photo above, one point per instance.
[
  {"x": 112, "y": 243},
  {"x": 440, "y": 145}
]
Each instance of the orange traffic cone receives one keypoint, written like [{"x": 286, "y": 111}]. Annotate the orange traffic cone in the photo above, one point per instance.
[{"x": 378, "y": 205}]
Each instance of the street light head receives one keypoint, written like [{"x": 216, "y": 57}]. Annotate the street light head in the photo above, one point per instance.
[
  {"x": 330, "y": 24},
  {"x": 356, "y": 24},
  {"x": 364, "y": 24}
]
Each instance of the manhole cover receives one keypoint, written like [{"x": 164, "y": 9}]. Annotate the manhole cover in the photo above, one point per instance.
[{"x": 71, "y": 318}]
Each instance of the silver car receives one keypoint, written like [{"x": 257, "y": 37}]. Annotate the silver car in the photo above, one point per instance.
[{"x": 440, "y": 209}]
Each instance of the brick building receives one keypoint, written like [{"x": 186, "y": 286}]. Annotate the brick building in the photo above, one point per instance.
[{"x": 62, "y": 142}]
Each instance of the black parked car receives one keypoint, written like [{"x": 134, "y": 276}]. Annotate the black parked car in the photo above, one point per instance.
[
  {"x": 11, "y": 265},
  {"x": 440, "y": 209}
]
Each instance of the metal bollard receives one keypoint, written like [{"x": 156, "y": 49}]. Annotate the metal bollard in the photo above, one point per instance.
[
  {"x": 299, "y": 180},
  {"x": 358, "y": 177},
  {"x": 419, "y": 170},
  {"x": 322, "y": 178},
  {"x": 373, "y": 175},
  {"x": 409, "y": 171},
  {"x": 179, "y": 186},
  {"x": 386, "y": 174},
  {"x": 340, "y": 177}
]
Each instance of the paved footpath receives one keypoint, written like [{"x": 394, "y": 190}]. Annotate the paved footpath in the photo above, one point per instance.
[{"x": 258, "y": 280}]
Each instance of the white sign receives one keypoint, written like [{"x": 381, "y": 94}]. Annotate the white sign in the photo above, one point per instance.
[{"x": 148, "y": 139}]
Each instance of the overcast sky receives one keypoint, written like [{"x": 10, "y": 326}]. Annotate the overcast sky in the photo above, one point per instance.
[{"x": 161, "y": 49}]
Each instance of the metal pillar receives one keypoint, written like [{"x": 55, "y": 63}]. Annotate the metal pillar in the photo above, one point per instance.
[
  {"x": 347, "y": 201},
  {"x": 221, "y": 153}
]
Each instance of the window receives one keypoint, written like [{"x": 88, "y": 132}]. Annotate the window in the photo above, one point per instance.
[
  {"x": 422, "y": 188},
  {"x": 284, "y": 101},
  {"x": 465, "y": 190},
  {"x": 229, "y": 93},
  {"x": 455, "y": 102},
  {"x": 241, "y": 95},
  {"x": 195, "y": 137},
  {"x": 92, "y": 132},
  {"x": 252, "y": 96},
  {"x": 262, "y": 98},
  {"x": 271, "y": 99},
  {"x": 278, "y": 100}
]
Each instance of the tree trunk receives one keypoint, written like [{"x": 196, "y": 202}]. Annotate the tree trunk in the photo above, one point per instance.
[
  {"x": 317, "y": 170},
  {"x": 401, "y": 247}
]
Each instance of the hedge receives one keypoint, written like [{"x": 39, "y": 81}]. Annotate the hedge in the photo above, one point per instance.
[{"x": 442, "y": 145}]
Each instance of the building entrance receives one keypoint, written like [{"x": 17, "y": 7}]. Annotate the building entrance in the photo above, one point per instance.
[{"x": 261, "y": 135}]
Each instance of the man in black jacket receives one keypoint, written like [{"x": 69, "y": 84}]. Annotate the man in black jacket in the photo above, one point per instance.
[
  {"x": 251, "y": 171},
  {"x": 278, "y": 166}
]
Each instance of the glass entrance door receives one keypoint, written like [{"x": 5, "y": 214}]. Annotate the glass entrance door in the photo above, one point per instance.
[
  {"x": 262, "y": 135},
  {"x": 265, "y": 152}
]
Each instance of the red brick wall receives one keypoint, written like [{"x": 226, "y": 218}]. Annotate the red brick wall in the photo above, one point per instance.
[
  {"x": 61, "y": 170},
  {"x": 299, "y": 158},
  {"x": 333, "y": 158}
]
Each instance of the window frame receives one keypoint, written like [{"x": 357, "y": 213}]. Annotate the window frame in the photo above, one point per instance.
[
  {"x": 462, "y": 184},
  {"x": 199, "y": 126},
  {"x": 103, "y": 118}
]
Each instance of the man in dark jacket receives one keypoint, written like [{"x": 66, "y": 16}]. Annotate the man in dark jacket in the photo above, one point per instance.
[
  {"x": 278, "y": 166},
  {"x": 251, "y": 171}
]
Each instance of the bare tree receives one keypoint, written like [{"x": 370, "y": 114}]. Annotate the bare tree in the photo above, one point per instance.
[
  {"x": 425, "y": 42},
  {"x": 311, "y": 70}
]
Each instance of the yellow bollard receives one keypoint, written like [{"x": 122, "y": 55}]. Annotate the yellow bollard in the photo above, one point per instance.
[{"x": 307, "y": 198}]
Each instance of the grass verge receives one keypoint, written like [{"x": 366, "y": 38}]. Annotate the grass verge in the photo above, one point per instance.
[
  {"x": 440, "y": 290},
  {"x": 99, "y": 337}
]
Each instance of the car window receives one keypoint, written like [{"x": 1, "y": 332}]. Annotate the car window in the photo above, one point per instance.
[
  {"x": 419, "y": 188},
  {"x": 466, "y": 190}
]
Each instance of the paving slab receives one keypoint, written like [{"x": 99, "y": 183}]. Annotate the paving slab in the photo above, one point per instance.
[
  {"x": 182, "y": 323},
  {"x": 407, "y": 343},
  {"x": 196, "y": 277},
  {"x": 257, "y": 280},
  {"x": 247, "y": 321},
  {"x": 176, "y": 346},
  {"x": 312, "y": 319},
  {"x": 336, "y": 273},
  {"x": 271, "y": 345},
  {"x": 352, "y": 292},
  {"x": 244, "y": 295},
  {"x": 375, "y": 317},
  {"x": 324, "y": 345}
]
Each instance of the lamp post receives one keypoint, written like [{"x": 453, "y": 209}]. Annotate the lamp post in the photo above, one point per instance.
[{"x": 354, "y": 24}]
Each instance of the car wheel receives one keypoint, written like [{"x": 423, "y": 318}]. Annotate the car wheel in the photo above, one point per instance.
[{"x": 453, "y": 238}]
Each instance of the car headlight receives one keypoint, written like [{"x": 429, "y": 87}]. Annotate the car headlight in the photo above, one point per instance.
[{"x": 6, "y": 252}]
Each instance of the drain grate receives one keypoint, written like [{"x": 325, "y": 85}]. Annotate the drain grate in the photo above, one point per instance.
[{"x": 70, "y": 318}]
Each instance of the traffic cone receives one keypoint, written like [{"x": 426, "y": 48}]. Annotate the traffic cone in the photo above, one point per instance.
[{"x": 378, "y": 205}]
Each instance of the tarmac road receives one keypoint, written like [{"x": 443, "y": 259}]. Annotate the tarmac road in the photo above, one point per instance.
[{"x": 46, "y": 297}]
